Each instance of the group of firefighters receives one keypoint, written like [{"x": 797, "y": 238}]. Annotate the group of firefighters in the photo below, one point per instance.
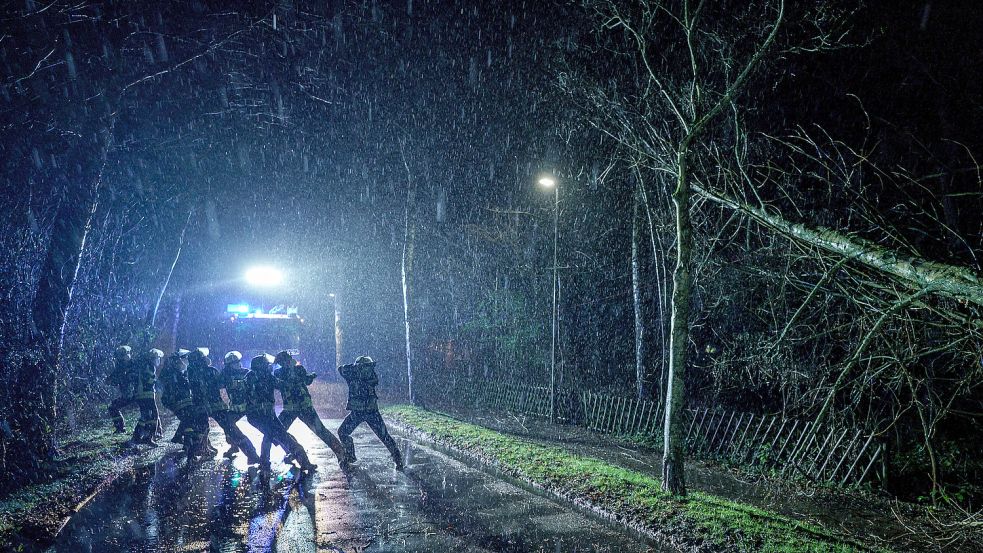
[{"x": 191, "y": 388}]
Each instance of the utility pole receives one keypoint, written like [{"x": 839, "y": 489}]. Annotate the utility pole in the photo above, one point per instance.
[
  {"x": 337, "y": 331},
  {"x": 549, "y": 182}
]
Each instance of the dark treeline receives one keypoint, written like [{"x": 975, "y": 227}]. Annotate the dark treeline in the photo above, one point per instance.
[{"x": 834, "y": 199}]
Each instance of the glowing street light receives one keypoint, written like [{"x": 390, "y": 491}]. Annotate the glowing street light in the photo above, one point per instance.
[
  {"x": 264, "y": 276},
  {"x": 548, "y": 182}
]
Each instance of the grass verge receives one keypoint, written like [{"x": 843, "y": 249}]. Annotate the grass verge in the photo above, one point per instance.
[
  {"x": 699, "y": 521},
  {"x": 31, "y": 516}
]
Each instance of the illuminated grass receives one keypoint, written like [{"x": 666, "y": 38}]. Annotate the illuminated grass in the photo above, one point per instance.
[
  {"x": 701, "y": 520},
  {"x": 33, "y": 513}
]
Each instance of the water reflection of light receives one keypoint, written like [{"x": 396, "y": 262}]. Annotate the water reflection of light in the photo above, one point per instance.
[
  {"x": 298, "y": 532},
  {"x": 151, "y": 518},
  {"x": 265, "y": 525}
]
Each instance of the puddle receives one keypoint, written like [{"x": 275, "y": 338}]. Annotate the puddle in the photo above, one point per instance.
[{"x": 438, "y": 504}]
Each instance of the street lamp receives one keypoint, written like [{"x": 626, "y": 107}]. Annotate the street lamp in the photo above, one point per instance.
[
  {"x": 337, "y": 330},
  {"x": 549, "y": 182}
]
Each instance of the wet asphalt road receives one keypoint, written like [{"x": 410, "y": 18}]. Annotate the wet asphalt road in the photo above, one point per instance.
[{"x": 437, "y": 504}]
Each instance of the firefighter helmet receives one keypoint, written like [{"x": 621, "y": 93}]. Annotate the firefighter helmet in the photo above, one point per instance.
[{"x": 262, "y": 361}]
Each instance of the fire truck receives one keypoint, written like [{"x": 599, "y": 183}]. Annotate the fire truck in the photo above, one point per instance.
[{"x": 255, "y": 330}]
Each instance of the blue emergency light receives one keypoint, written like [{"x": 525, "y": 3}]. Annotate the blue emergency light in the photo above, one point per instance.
[{"x": 240, "y": 308}]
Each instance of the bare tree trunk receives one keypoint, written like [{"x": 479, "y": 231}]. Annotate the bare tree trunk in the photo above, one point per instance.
[
  {"x": 167, "y": 280},
  {"x": 643, "y": 384},
  {"x": 927, "y": 433},
  {"x": 673, "y": 464},
  {"x": 406, "y": 270},
  {"x": 659, "y": 272},
  {"x": 338, "y": 334},
  {"x": 175, "y": 321},
  {"x": 38, "y": 382},
  {"x": 662, "y": 302}
]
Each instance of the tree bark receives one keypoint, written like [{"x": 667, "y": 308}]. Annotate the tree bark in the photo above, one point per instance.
[
  {"x": 339, "y": 350},
  {"x": 406, "y": 271},
  {"x": 915, "y": 272},
  {"x": 659, "y": 272},
  {"x": 643, "y": 377},
  {"x": 38, "y": 380},
  {"x": 176, "y": 321},
  {"x": 673, "y": 464},
  {"x": 170, "y": 272}
]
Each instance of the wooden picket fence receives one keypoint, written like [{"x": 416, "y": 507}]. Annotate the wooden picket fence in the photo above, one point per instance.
[
  {"x": 839, "y": 455},
  {"x": 621, "y": 415},
  {"x": 830, "y": 454}
]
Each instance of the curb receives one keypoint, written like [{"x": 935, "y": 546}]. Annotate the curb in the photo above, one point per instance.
[{"x": 665, "y": 540}]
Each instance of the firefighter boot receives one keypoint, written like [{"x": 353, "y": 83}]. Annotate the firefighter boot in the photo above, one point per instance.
[{"x": 305, "y": 463}]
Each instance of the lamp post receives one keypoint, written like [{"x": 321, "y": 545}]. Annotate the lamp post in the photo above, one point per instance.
[
  {"x": 337, "y": 331},
  {"x": 550, "y": 182}
]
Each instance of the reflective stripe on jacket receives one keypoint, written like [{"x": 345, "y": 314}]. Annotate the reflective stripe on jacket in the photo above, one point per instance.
[
  {"x": 362, "y": 380},
  {"x": 260, "y": 386},
  {"x": 234, "y": 382},
  {"x": 176, "y": 394},
  {"x": 206, "y": 388},
  {"x": 293, "y": 383},
  {"x": 146, "y": 378}
]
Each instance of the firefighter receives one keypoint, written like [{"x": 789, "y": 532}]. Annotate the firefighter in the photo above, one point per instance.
[
  {"x": 121, "y": 376},
  {"x": 233, "y": 379},
  {"x": 145, "y": 373},
  {"x": 260, "y": 386},
  {"x": 176, "y": 396},
  {"x": 206, "y": 392},
  {"x": 363, "y": 406},
  {"x": 293, "y": 380}
]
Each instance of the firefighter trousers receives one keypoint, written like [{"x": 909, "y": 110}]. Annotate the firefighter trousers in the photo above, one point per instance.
[
  {"x": 309, "y": 417},
  {"x": 227, "y": 420},
  {"x": 191, "y": 429},
  {"x": 116, "y": 411},
  {"x": 375, "y": 422},
  {"x": 274, "y": 432},
  {"x": 146, "y": 427}
]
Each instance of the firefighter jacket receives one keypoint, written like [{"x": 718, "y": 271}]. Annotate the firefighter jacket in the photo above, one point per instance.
[
  {"x": 362, "y": 381},
  {"x": 175, "y": 388},
  {"x": 234, "y": 381},
  {"x": 206, "y": 388},
  {"x": 260, "y": 386},
  {"x": 145, "y": 376},
  {"x": 121, "y": 376},
  {"x": 293, "y": 383}
]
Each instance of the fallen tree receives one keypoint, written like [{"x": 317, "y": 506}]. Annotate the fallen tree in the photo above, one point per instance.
[{"x": 915, "y": 272}]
